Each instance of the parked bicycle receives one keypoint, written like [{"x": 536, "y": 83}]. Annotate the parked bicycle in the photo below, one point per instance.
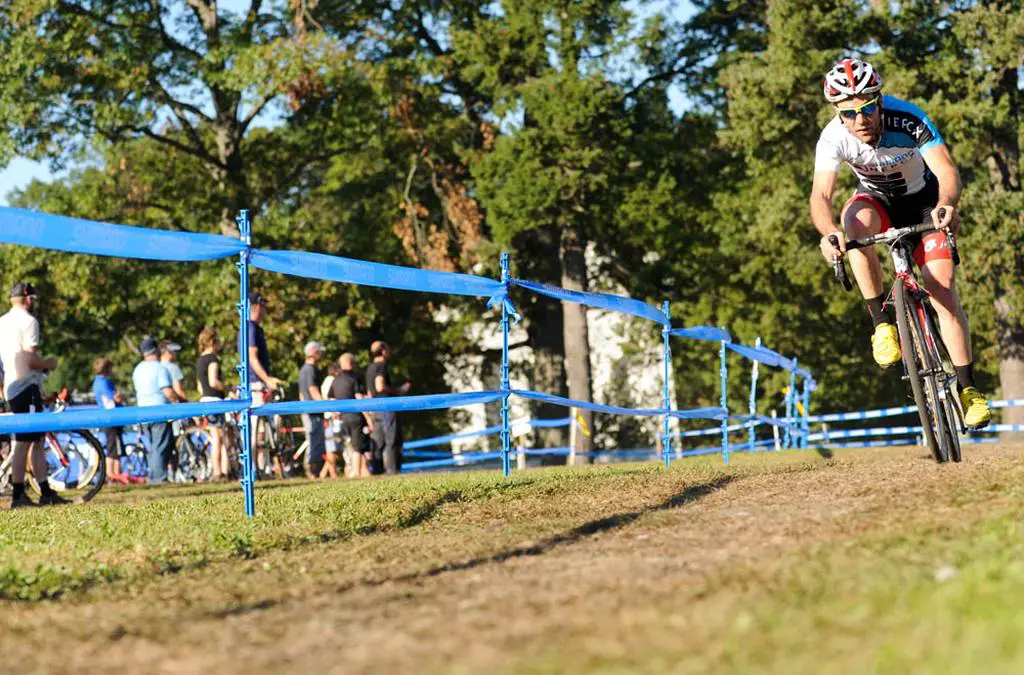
[
  {"x": 190, "y": 462},
  {"x": 926, "y": 361},
  {"x": 75, "y": 461}
]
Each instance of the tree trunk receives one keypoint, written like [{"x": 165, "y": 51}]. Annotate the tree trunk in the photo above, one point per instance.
[
  {"x": 1004, "y": 174},
  {"x": 1010, "y": 334},
  {"x": 577, "y": 336},
  {"x": 545, "y": 331}
]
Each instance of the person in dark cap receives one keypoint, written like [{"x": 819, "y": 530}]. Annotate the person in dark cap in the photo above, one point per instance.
[
  {"x": 153, "y": 386},
  {"x": 261, "y": 382},
  {"x": 23, "y": 369}
]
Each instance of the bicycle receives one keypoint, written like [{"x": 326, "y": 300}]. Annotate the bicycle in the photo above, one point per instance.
[
  {"x": 926, "y": 361},
  {"x": 190, "y": 461},
  {"x": 76, "y": 470}
]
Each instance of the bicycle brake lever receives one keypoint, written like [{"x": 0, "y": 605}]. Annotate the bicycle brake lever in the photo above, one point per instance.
[
  {"x": 950, "y": 240},
  {"x": 838, "y": 268}
]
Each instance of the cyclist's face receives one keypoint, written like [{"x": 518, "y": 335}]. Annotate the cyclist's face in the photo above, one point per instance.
[{"x": 866, "y": 125}]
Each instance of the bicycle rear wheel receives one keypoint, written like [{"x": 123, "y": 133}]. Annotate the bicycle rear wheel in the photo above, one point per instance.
[
  {"x": 76, "y": 463},
  {"x": 921, "y": 373}
]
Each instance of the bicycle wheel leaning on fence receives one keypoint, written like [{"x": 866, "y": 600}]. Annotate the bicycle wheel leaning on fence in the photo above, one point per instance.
[{"x": 926, "y": 362}]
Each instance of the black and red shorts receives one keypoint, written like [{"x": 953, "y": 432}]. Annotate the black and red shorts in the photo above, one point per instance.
[{"x": 909, "y": 210}]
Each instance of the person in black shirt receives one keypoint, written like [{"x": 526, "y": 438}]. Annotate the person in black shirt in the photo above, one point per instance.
[
  {"x": 309, "y": 390},
  {"x": 387, "y": 432},
  {"x": 348, "y": 385},
  {"x": 261, "y": 382},
  {"x": 211, "y": 389}
]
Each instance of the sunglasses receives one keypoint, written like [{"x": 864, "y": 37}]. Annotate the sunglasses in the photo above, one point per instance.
[{"x": 867, "y": 110}]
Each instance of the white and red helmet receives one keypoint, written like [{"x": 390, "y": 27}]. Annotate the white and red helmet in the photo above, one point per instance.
[{"x": 850, "y": 77}]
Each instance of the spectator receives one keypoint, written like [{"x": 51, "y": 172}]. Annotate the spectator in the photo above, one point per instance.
[
  {"x": 261, "y": 382},
  {"x": 169, "y": 357},
  {"x": 330, "y": 442},
  {"x": 346, "y": 386},
  {"x": 23, "y": 368},
  {"x": 387, "y": 432},
  {"x": 108, "y": 398},
  {"x": 332, "y": 372},
  {"x": 309, "y": 390},
  {"x": 153, "y": 386},
  {"x": 211, "y": 389}
]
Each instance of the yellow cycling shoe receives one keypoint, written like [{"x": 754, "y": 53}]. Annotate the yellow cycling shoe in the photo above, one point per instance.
[
  {"x": 885, "y": 345},
  {"x": 976, "y": 411}
]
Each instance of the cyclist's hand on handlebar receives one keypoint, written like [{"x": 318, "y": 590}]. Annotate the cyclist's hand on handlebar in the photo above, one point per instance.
[
  {"x": 828, "y": 250},
  {"x": 944, "y": 216}
]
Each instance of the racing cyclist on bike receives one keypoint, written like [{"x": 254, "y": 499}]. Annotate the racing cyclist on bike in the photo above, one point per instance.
[{"x": 906, "y": 176}]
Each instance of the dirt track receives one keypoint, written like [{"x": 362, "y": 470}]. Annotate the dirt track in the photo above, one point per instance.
[{"x": 567, "y": 585}]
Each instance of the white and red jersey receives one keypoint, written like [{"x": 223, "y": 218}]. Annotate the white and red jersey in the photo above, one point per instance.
[{"x": 892, "y": 168}]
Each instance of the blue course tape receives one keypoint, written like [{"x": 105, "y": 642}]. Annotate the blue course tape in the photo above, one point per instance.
[
  {"x": 863, "y": 414},
  {"x": 615, "y": 303},
  {"x": 551, "y": 424},
  {"x": 712, "y": 333},
  {"x": 391, "y": 403},
  {"x": 60, "y": 233},
  {"x": 699, "y": 413},
  {"x": 441, "y": 440},
  {"x": 762, "y": 355},
  {"x": 347, "y": 270},
  {"x": 102, "y": 418}
]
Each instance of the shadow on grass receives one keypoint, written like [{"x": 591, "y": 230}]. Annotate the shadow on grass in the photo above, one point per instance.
[
  {"x": 826, "y": 453},
  {"x": 576, "y": 534}
]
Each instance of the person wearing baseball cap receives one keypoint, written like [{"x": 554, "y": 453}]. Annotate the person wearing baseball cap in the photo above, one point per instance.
[
  {"x": 309, "y": 390},
  {"x": 23, "y": 369},
  {"x": 261, "y": 382},
  {"x": 169, "y": 357},
  {"x": 153, "y": 386}
]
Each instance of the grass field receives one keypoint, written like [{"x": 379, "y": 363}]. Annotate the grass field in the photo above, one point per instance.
[{"x": 872, "y": 561}]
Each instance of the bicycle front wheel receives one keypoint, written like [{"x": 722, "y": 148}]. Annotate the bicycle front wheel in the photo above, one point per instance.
[
  {"x": 76, "y": 463},
  {"x": 921, "y": 371}
]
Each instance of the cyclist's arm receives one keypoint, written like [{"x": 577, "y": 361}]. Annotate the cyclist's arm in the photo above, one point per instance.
[
  {"x": 940, "y": 162},
  {"x": 822, "y": 190}
]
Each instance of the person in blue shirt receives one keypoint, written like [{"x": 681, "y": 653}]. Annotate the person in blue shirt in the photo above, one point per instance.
[
  {"x": 108, "y": 397},
  {"x": 153, "y": 386}
]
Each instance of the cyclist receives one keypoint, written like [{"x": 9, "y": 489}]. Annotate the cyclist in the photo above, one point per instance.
[{"x": 906, "y": 176}]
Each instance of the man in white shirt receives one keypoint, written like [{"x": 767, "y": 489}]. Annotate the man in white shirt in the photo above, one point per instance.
[{"x": 23, "y": 375}]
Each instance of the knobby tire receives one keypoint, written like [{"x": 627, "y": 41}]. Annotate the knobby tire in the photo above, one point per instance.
[{"x": 916, "y": 359}]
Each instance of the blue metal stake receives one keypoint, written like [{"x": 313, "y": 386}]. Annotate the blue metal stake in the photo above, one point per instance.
[
  {"x": 805, "y": 424},
  {"x": 666, "y": 438},
  {"x": 752, "y": 424},
  {"x": 506, "y": 434},
  {"x": 245, "y": 234},
  {"x": 790, "y": 407},
  {"x": 724, "y": 372}
]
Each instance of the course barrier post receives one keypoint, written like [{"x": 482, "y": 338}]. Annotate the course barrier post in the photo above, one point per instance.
[
  {"x": 790, "y": 407},
  {"x": 244, "y": 392},
  {"x": 723, "y": 371},
  {"x": 506, "y": 434},
  {"x": 805, "y": 423},
  {"x": 666, "y": 438},
  {"x": 752, "y": 424}
]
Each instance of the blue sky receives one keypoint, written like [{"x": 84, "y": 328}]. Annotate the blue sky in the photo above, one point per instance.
[{"x": 22, "y": 171}]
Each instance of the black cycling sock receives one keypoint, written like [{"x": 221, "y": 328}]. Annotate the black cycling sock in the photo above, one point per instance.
[
  {"x": 876, "y": 308},
  {"x": 965, "y": 376},
  {"x": 19, "y": 490},
  {"x": 44, "y": 488}
]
